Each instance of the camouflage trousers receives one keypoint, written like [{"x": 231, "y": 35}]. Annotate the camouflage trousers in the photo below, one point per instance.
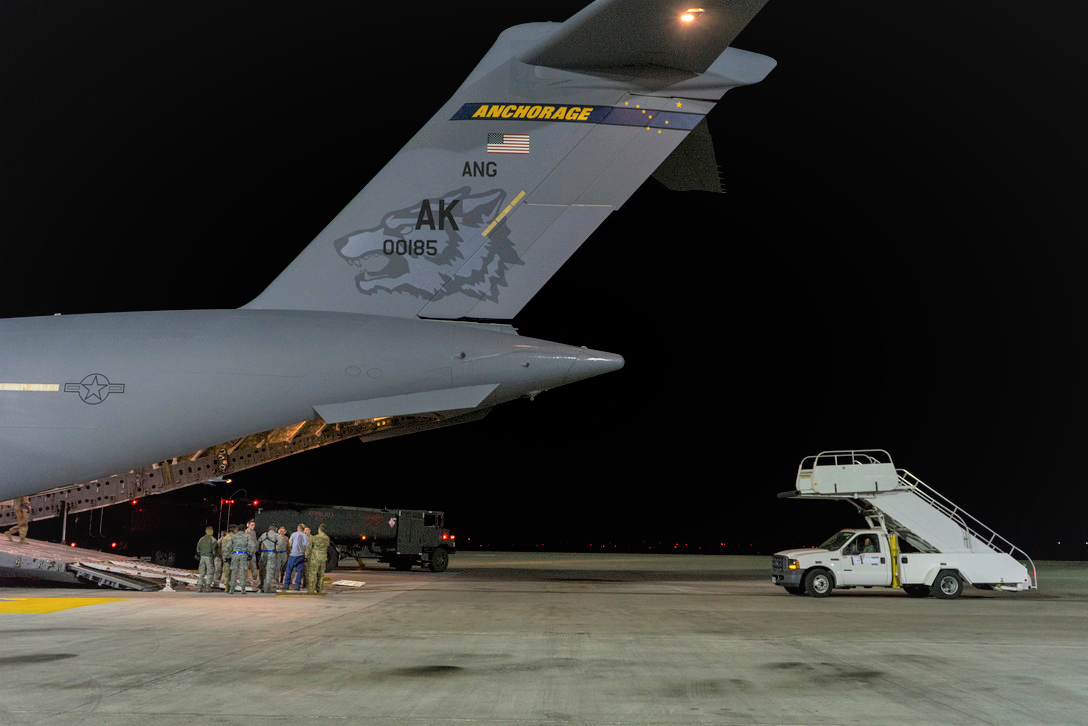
[
  {"x": 206, "y": 572},
  {"x": 21, "y": 528},
  {"x": 315, "y": 574},
  {"x": 239, "y": 567},
  {"x": 268, "y": 572},
  {"x": 253, "y": 573},
  {"x": 281, "y": 567}
]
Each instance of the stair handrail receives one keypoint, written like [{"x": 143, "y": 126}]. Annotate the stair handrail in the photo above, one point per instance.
[{"x": 953, "y": 511}]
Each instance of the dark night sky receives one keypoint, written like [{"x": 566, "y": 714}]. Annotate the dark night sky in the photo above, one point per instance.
[{"x": 895, "y": 265}]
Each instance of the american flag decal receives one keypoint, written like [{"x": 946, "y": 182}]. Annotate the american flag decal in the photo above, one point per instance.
[{"x": 508, "y": 143}]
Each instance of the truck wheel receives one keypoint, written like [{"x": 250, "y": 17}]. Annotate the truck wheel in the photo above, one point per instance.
[
  {"x": 332, "y": 558},
  {"x": 948, "y": 585},
  {"x": 440, "y": 560},
  {"x": 819, "y": 583}
]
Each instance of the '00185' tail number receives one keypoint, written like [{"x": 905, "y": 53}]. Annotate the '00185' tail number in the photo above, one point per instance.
[{"x": 412, "y": 247}]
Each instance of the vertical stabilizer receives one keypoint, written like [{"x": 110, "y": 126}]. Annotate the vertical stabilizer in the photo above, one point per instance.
[{"x": 515, "y": 171}]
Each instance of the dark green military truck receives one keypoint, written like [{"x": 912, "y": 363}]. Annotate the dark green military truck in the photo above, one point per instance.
[{"x": 403, "y": 538}]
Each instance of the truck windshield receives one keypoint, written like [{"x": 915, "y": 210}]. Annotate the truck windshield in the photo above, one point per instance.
[{"x": 837, "y": 540}]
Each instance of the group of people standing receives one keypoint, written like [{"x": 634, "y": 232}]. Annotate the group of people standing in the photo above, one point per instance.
[{"x": 269, "y": 563}]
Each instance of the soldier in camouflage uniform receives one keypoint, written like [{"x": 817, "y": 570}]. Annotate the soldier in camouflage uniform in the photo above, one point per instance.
[
  {"x": 316, "y": 553},
  {"x": 302, "y": 574},
  {"x": 266, "y": 549},
  {"x": 217, "y": 563},
  {"x": 22, "y": 519},
  {"x": 222, "y": 573},
  {"x": 206, "y": 549},
  {"x": 282, "y": 546},
  {"x": 252, "y": 568},
  {"x": 242, "y": 549}
]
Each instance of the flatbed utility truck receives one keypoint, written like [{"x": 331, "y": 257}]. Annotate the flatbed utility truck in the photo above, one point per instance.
[{"x": 917, "y": 540}]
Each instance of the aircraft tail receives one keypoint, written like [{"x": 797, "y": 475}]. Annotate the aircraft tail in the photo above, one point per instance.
[{"x": 530, "y": 155}]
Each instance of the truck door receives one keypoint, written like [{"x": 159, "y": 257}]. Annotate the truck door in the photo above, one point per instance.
[
  {"x": 866, "y": 561},
  {"x": 410, "y": 533}
]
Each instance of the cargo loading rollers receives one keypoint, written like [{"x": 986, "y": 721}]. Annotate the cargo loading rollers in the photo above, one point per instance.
[
  {"x": 917, "y": 540},
  {"x": 69, "y": 566}
]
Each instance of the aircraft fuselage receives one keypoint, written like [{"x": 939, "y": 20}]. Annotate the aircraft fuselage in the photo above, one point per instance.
[{"x": 85, "y": 396}]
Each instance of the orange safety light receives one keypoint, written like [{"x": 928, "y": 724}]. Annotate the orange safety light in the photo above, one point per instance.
[{"x": 72, "y": 545}]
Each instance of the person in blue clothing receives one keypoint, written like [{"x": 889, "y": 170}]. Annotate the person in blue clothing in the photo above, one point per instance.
[{"x": 299, "y": 542}]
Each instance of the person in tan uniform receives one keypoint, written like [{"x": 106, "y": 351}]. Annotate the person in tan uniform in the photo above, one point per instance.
[
  {"x": 22, "y": 519},
  {"x": 316, "y": 553},
  {"x": 225, "y": 555}
]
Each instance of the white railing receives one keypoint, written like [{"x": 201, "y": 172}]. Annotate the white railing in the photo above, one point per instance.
[
  {"x": 846, "y": 456},
  {"x": 957, "y": 514}
]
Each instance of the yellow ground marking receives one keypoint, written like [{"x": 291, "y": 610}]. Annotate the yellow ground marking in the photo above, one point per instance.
[
  {"x": 39, "y": 605},
  {"x": 303, "y": 593},
  {"x": 505, "y": 212},
  {"x": 49, "y": 387}
]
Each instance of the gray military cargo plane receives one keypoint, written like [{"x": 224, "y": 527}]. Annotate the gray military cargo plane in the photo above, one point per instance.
[{"x": 395, "y": 318}]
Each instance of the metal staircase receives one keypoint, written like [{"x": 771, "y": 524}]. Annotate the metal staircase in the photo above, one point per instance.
[{"x": 899, "y": 501}]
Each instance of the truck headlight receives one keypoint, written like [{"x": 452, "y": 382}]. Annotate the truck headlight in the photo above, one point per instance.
[{"x": 793, "y": 565}]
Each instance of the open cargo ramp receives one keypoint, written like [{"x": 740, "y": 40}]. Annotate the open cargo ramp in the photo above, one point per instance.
[{"x": 57, "y": 563}]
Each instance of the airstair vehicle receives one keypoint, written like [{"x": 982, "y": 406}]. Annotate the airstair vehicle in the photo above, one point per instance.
[{"x": 918, "y": 539}]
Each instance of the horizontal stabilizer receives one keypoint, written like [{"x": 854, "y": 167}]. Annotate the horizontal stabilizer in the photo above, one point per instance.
[
  {"x": 615, "y": 33},
  {"x": 447, "y": 399}
]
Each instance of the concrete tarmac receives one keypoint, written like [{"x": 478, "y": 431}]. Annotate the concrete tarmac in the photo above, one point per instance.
[{"x": 549, "y": 638}]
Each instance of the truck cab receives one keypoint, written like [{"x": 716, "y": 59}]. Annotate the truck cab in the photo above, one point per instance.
[{"x": 849, "y": 558}]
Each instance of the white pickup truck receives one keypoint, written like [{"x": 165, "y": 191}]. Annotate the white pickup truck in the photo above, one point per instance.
[
  {"x": 917, "y": 539},
  {"x": 871, "y": 558}
]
